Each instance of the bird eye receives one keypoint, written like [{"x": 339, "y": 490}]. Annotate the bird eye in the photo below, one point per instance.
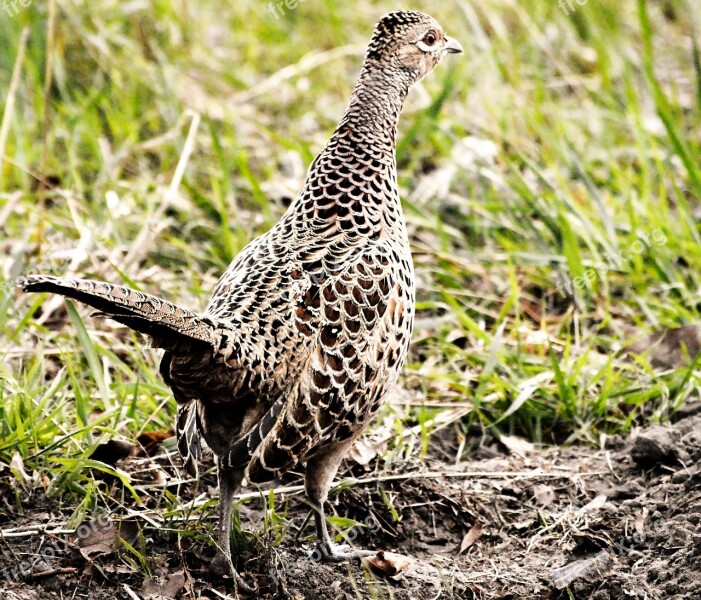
[{"x": 430, "y": 39}]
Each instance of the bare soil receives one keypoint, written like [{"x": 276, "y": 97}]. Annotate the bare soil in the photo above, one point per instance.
[{"x": 622, "y": 522}]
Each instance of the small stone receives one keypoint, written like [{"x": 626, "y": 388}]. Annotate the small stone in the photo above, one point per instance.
[{"x": 654, "y": 446}]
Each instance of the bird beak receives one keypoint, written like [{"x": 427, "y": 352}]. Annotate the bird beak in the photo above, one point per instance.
[{"x": 452, "y": 46}]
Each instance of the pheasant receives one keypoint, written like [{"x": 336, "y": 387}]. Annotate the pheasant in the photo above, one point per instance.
[{"x": 307, "y": 329}]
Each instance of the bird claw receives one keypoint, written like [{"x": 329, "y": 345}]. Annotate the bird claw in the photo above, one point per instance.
[
  {"x": 221, "y": 566},
  {"x": 338, "y": 553}
]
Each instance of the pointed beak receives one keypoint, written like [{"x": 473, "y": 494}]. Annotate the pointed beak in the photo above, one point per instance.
[{"x": 452, "y": 46}]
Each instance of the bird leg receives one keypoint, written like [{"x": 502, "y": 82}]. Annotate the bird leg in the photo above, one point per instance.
[
  {"x": 229, "y": 483},
  {"x": 319, "y": 473}
]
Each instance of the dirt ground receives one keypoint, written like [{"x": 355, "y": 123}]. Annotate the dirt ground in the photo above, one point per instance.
[{"x": 623, "y": 522}]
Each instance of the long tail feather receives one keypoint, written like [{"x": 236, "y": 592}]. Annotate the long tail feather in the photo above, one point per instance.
[{"x": 165, "y": 322}]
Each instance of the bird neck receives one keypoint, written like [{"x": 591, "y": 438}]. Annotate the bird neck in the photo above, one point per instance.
[
  {"x": 375, "y": 104},
  {"x": 351, "y": 190}
]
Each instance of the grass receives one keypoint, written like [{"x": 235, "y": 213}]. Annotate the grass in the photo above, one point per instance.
[{"x": 556, "y": 144}]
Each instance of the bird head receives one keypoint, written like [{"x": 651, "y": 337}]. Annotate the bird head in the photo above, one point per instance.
[{"x": 411, "y": 42}]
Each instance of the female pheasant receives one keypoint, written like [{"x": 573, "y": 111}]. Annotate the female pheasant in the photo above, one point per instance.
[{"x": 307, "y": 329}]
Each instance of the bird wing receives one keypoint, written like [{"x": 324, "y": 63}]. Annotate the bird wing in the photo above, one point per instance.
[{"x": 360, "y": 342}]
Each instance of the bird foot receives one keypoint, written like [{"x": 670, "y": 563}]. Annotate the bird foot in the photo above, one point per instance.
[
  {"x": 221, "y": 566},
  {"x": 338, "y": 553}
]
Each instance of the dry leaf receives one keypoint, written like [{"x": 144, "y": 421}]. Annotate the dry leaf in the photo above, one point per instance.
[
  {"x": 363, "y": 451},
  {"x": 516, "y": 445},
  {"x": 17, "y": 468},
  {"x": 471, "y": 537},
  {"x": 565, "y": 575},
  {"x": 543, "y": 494},
  {"x": 163, "y": 587},
  {"x": 102, "y": 536},
  {"x": 113, "y": 568},
  {"x": 388, "y": 564},
  {"x": 595, "y": 504},
  {"x": 150, "y": 441}
]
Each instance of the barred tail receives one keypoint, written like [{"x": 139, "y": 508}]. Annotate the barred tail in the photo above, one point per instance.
[
  {"x": 167, "y": 323},
  {"x": 188, "y": 434},
  {"x": 244, "y": 448},
  {"x": 273, "y": 446}
]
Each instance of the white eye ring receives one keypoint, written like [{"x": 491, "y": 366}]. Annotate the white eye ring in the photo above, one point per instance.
[{"x": 424, "y": 44}]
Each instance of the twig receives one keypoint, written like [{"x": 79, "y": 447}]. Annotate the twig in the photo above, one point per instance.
[
  {"x": 51, "y": 572},
  {"x": 11, "y": 533},
  {"x": 130, "y": 592}
]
